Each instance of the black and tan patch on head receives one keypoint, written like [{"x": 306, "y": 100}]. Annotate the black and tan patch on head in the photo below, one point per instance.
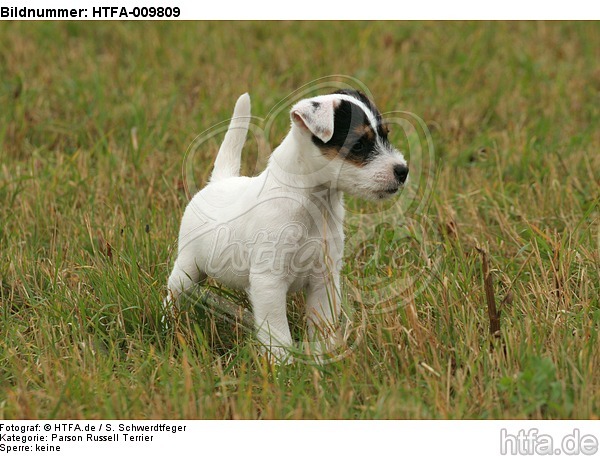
[
  {"x": 382, "y": 127},
  {"x": 354, "y": 138}
]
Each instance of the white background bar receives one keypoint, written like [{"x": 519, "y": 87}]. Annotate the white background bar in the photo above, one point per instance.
[
  {"x": 318, "y": 9},
  {"x": 280, "y": 438}
]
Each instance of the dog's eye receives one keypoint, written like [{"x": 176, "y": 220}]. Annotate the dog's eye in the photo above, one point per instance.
[{"x": 358, "y": 146}]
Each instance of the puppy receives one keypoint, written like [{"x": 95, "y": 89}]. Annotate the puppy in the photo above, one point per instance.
[{"x": 282, "y": 231}]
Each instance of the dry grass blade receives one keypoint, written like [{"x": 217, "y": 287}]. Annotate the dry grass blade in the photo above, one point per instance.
[{"x": 490, "y": 298}]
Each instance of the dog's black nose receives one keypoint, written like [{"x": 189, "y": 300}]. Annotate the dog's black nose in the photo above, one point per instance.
[{"x": 401, "y": 173}]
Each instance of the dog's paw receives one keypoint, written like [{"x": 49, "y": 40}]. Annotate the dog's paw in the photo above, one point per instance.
[{"x": 277, "y": 355}]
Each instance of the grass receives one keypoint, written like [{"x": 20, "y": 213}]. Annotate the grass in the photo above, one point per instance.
[{"x": 95, "y": 121}]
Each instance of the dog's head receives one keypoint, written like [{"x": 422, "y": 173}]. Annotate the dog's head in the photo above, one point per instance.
[{"x": 352, "y": 141}]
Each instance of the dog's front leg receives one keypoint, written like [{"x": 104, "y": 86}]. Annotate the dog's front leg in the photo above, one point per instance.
[
  {"x": 267, "y": 295},
  {"x": 323, "y": 312}
]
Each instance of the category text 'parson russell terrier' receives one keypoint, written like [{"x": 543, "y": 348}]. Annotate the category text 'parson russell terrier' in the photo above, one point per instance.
[{"x": 282, "y": 231}]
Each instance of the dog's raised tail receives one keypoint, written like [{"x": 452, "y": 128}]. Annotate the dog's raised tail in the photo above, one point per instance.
[{"x": 228, "y": 160}]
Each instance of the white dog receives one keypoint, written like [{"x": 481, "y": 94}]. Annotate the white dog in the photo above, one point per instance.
[{"x": 282, "y": 231}]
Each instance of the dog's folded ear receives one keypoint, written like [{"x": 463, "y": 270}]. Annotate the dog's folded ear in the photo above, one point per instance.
[{"x": 316, "y": 116}]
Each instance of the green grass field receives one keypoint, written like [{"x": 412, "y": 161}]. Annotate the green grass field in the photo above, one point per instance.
[{"x": 95, "y": 119}]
